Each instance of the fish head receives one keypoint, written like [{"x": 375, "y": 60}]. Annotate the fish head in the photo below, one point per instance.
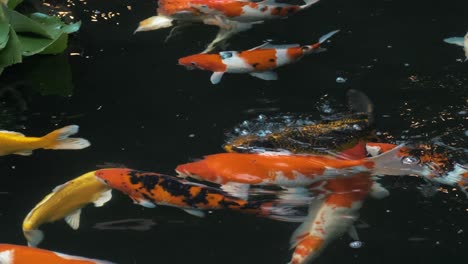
[
  {"x": 116, "y": 178},
  {"x": 210, "y": 62},
  {"x": 198, "y": 170}
]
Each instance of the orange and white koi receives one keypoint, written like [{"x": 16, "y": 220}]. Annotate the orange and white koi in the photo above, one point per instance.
[
  {"x": 15, "y": 254},
  {"x": 231, "y": 16},
  {"x": 65, "y": 201},
  {"x": 17, "y": 143},
  {"x": 289, "y": 170},
  {"x": 258, "y": 62},
  {"x": 459, "y": 41},
  {"x": 333, "y": 215},
  {"x": 247, "y": 11},
  {"x": 149, "y": 189}
]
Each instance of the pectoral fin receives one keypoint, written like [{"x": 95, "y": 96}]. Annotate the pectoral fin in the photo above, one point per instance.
[
  {"x": 144, "y": 203},
  {"x": 459, "y": 41},
  {"x": 73, "y": 219},
  {"x": 24, "y": 153},
  {"x": 216, "y": 77},
  {"x": 195, "y": 212},
  {"x": 104, "y": 198},
  {"x": 266, "y": 75}
]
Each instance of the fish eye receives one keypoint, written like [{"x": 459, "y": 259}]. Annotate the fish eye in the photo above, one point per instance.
[
  {"x": 193, "y": 63},
  {"x": 410, "y": 160}
]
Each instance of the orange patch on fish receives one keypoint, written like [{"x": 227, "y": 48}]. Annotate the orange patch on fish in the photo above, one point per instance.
[
  {"x": 346, "y": 191},
  {"x": 305, "y": 246},
  {"x": 212, "y": 62},
  {"x": 260, "y": 59},
  {"x": 294, "y": 53}
]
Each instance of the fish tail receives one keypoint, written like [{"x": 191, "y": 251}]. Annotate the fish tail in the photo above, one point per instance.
[
  {"x": 281, "y": 212},
  {"x": 154, "y": 23},
  {"x": 308, "y": 3},
  {"x": 316, "y": 47},
  {"x": 393, "y": 163},
  {"x": 34, "y": 237},
  {"x": 59, "y": 139}
]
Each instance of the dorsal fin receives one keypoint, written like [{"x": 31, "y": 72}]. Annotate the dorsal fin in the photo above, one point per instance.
[{"x": 268, "y": 45}]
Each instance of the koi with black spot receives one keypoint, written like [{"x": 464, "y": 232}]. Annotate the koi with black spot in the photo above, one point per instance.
[{"x": 150, "y": 189}]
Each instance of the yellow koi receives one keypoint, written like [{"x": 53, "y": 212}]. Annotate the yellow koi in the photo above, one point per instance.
[
  {"x": 17, "y": 143},
  {"x": 65, "y": 201}
]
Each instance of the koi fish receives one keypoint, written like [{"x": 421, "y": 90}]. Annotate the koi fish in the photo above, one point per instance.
[
  {"x": 17, "y": 143},
  {"x": 459, "y": 41},
  {"x": 258, "y": 62},
  {"x": 149, "y": 189},
  {"x": 333, "y": 215},
  {"x": 290, "y": 170},
  {"x": 15, "y": 254},
  {"x": 440, "y": 168},
  {"x": 65, "y": 201},
  {"x": 231, "y": 16}
]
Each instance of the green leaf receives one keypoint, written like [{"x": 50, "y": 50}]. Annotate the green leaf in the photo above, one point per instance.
[
  {"x": 13, "y": 3},
  {"x": 22, "y": 23},
  {"x": 57, "y": 46},
  {"x": 11, "y": 54},
  {"x": 32, "y": 45},
  {"x": 4, "y": 29}
]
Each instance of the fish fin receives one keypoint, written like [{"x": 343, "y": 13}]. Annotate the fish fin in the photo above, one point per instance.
[
  {"x": 144, "y": 203},
  {"x": 73, "y": 219},
  {"x": 59, "y": 187},
  {"x": 13, "y": 133},
  {"x": 268, "y": 45},
  {"x": 459, "y": 41},
  {"x": 296, "y": 195},
  {"x": 103, "y": 198},
  {"x": 352, "y": 232},
  {"x": 265, "y": 75},
  {"x": 325, "y": 37},
  {"x": 195, "y": 212},
  {"x": 308, "y": 3},
  {"x": 60, "y": 139},
  {"x": 87, "y": 260},
  {"x": 390, "y": 163},
  {"x": 154, "y": 23},
  {"x": 24, "y": 153},
  {"x": 305, "y": 227},
  {"x": 216, "y": 77},
  {"x": 34, "y": 237},
  {"x": 281, "y": 211},
  {"x": 373, "y": 150},
  {"x": 239, "y": 190},
  {"x": 226, "y": 32},
  {"x": 6, "y": 257},
  {"x": 378, "y": 192}
]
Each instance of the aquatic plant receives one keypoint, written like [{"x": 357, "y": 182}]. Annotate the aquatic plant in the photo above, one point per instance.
[{"x": 23, "y": 36}]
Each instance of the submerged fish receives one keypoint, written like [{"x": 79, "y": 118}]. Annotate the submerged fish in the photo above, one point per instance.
[
  {"x": 231, "y": 16},
  {"x": 459, "y": 41},
  {"x": 258, "y": 62},
  {"x": 65, "y": 201},
  {"x": 15, "y": 254},
  {"x": 17, "y": 143},
  {"x": 291, "y": 170},
  {"x": 149, "y": 189}
]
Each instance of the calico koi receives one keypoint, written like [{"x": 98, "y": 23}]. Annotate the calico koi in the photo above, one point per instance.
[
  {"x": 459, "y": 41},
  {"x": 17, "y": 143},
  {"x": 258, "y": 62},
  {"x": 65, "y": 201},
  {"x": 231, "y": 16},
  {"x": 149, "y": 189},
  {"x": 15, "y": 254}
]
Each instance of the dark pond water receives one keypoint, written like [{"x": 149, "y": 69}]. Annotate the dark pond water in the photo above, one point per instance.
[{"x": 139, "y": 108}]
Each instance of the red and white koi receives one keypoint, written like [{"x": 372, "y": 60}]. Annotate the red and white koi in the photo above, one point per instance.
[
  {"x": 289, "y": 170},
  {"x": 231, "y": 16},
  {"x": 15, "y": 254},
  {"x": 459, "y": 41},
  {"x": 258, "y": 62}
]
